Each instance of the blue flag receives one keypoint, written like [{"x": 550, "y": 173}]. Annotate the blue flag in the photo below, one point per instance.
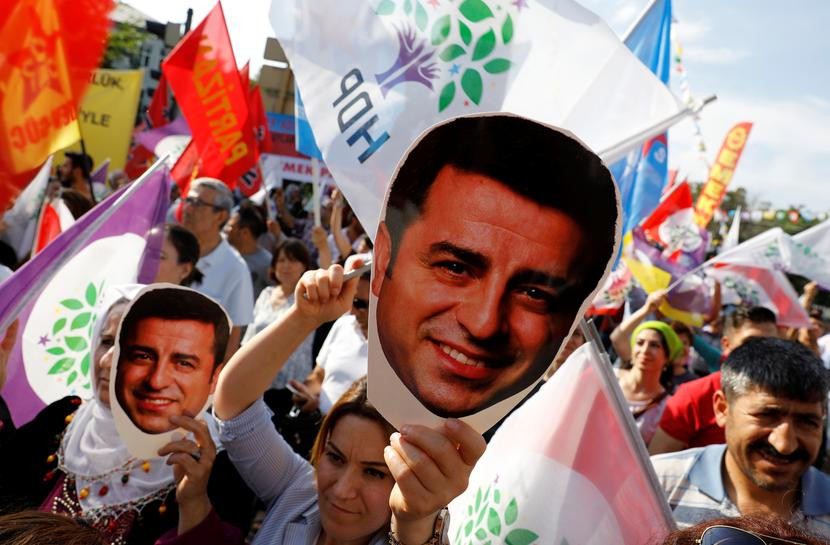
[
  {"x": 305, "y": 142},
  {"x": 642, "y": 174}
]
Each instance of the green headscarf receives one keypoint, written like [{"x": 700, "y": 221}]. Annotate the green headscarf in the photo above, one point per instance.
[{"x": 672, "y": 340}]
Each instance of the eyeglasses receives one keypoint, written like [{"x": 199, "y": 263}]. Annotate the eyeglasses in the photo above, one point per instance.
[
  {"x": 199, "y": 203},
  {"x": 360, "y": 304},
  {"x": 729, "y": 535}
]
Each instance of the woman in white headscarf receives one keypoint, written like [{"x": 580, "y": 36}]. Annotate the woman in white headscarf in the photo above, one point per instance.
[{"x": 89, "y": 474}]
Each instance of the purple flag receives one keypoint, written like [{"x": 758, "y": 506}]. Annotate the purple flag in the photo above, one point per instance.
[
  {"x": 691, "y": 295},
  {"x": 99, "y": 175},
  {"x": 54, "y": 295},
  {"x": 171, "y": 134}
]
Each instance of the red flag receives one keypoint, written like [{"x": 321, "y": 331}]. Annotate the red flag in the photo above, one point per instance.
[
  {"x": 250, "y": 182},
  {"x": 244, "y": 76},
  {"x": 672, "y": 225},
  {"x": 562, "y": 484},
  {"x": 202, "y": 72},
  {"x": 49, "y": 50},
  {"x": 186, "y": 167},
  {"x": 158, "y": 112},
  {"x": 55, "y": 218}
]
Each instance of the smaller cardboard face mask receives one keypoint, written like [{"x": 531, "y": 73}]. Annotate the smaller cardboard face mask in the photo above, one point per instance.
[
  {"x": 496, "y": 233},
  {"x": 168, "y": 352}
]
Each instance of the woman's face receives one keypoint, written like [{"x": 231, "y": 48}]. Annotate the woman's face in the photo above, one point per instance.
[
  {"x": 648, "y": 351},
  {"x": 104, "y": 352},
  {"x": 288, "y": 271},
  {"x": 353, "y": 482},
  {"x": 170, "y": 270}
]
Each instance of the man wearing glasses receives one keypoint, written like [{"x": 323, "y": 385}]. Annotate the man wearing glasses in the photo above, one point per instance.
[
  {"x": 343, "y": 357},
  {"x": 226, "y": 278},
  {"x": 772, "y": 405}
]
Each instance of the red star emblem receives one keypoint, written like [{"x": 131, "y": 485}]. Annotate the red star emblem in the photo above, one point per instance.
[{"x": 38, "y": 63}]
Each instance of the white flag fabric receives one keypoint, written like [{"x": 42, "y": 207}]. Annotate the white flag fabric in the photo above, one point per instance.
[
  {"x": 776, "y": 250},
  {"x": 565, "y": 468},
  {"x": 21, "y": 220},
  {"x": 754, "y": 286},
  {"x": 375, "y": 74},
  {"x": 813, "y": 245},
  {"x": 732, "y": 238}
]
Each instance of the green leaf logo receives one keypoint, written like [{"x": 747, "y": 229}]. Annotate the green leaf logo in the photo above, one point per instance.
[
  {"x": 69, "y": 352},
  {"x": 487, "y": 521},
  {"x": 466, "y": 39}
]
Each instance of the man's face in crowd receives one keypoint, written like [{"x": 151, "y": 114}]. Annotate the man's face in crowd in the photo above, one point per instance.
[
  {"x": 167, "y": 368},
  {"x": 736, "y": 337},
  {"x": 470, "y": 312},
  {"x": 65, "y": 171},
  {"x": 772, "y": 440},
  {"x": 199, "y": 213},
  {"x": 233, "y": 231}
]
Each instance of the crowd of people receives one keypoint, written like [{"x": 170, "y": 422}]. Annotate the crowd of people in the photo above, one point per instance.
[{"x": 293, "y": 451}]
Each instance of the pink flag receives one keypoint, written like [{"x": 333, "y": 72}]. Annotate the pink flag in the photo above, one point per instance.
[
  {"x": 756, "y": 286},
  {"x": 611, "y": 296},
  {"x": 566, "y": 467}
]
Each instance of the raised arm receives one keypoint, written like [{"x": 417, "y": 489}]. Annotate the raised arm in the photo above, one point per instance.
[
  {"x": 621, "y": 336},
  {"x": 321, "y": 296}
]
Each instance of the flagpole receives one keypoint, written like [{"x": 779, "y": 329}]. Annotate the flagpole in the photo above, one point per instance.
[
  {"x": 612, "y": 385},
  {"x": 77, "y": 243},
  {"x": 618, "y": 151}
]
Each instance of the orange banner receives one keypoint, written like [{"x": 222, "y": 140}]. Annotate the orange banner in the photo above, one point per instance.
[
  {"x": 49, "y": 50},
  {"x": 721, "y": 173}
]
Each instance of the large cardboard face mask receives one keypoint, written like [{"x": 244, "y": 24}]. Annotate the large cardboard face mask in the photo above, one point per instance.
[
  {"x": 166, "y": 352},
  {"x": 496, "y": 233}
]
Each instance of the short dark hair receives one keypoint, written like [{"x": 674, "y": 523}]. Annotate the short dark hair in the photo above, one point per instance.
[
  {"x": 187, "y": 246},
  {"x": 743, "y": 315},
  {"x": 250, "y": 218},
  {"x": 178, "y": 304},
  {"x": 80, "y": 160},
  {"x": 533, "y": 160},
  {"x": 682, "y": 329},
  {"x": 783, "y": 368},
  {"x": 294, "y": 249}
]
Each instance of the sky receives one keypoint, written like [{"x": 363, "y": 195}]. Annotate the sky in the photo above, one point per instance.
[{"x": 767, "y": 61}]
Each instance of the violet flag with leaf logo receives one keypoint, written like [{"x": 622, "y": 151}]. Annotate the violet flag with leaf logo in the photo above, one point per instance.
[{"x": 53, "y": 296}]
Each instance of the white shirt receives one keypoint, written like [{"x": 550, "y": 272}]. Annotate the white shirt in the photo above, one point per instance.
[
  {"x": 345, "y": 358},
  {"x": 228, "y": 280},
  {"x": 824, "y": 347}
]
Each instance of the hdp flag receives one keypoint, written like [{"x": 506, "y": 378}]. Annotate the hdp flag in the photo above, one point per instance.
[
  {"x": 54, "y": 294},
  {"x": 642, "y": 174},
  {"x": 756, "y": 286},
  {"x": 561, "y": 484},
  {"x": 49, "y": 50},
  {"x": 672, "y": 225},
  {"x": 688, "y": 301},
  {"x": 304, "y": 135},
  {"x": 202, "y": 73},
  {"x": 375, "y": 75},
  {"x": 774, "y": 249}
]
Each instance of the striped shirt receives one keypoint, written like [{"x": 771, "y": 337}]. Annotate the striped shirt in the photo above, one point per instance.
[
  {"x": 279, "y": 477},
  {"x": 693, "y": 483}
]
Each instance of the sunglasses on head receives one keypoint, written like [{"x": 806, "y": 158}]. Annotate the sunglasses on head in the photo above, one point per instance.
[
  {"x": 729, "y": 535},
  {"x": 360, "y": 304}
]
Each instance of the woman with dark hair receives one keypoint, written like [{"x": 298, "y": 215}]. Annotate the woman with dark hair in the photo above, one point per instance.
[
  {"x": 288, "y": 264},
  {"x": 365, "y": 487},
  {"x": 742, "y": 531},
  {"x": 179, "y": 255}
]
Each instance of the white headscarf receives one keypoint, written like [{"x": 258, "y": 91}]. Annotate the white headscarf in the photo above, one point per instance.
[{"x": 94, "y": 454}]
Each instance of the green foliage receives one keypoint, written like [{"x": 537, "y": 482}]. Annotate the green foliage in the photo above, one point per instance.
[{"x": 124, "y": 42}]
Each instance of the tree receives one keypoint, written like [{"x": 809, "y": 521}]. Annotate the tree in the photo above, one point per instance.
[{"x": 123, "y": 46}]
